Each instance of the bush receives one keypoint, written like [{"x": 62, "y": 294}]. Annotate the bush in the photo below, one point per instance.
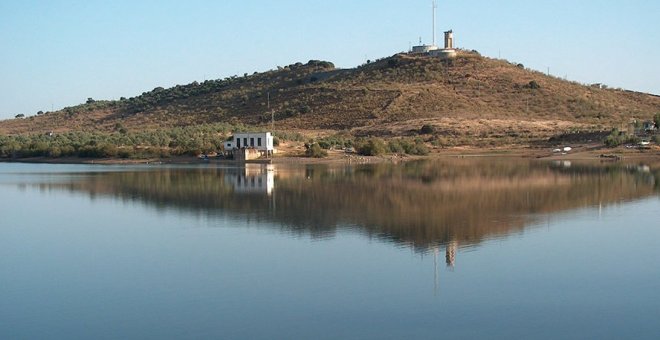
[
  {"x": 533, "y": 85},
  {"x": 418, "y": 148},
  {"x": 427, "y": 129},
  {"x": 614, "y": 139},
  {"x": 335, "y": 141},
  {"x": 372, "y": 147},
  {"x": 315, "y": 150},
  {"x": 408, "y": 146},
  {"x": 324, "y": 144},
  {"x": 617, "y": 138},
  {"x": 395, "y": 146},
  {"x": 98, "y": 151},
  {"x": 393, "y": 63},
  {"x": 55, "y": 152}
]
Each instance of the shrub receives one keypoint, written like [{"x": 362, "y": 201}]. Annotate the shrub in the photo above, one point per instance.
[
  {"x": 393, "y": 63},
  {"x": 418, "y": 148},
  {"x": 414, "y": 147},
  {"x": 372, "y": 147},
  {"x": 614, "y": 139},
  {"x": 440, "y": 141},
  {"x": 533, "y": 85},
  {"x": 324, "y": 144},
  {"x": 427, "y": 129},
  {"x": 55, "y": 152},
  {"x": 395, "y": 146},
  {"x": 125, "y": 153},
  {"x": 315, "y": 150},
  {"x": 617, "y": 138}
]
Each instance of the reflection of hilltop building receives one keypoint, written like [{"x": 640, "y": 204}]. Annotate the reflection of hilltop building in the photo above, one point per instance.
[
  {"x": 253, "y": 180},
  {"x": 450, "y": 253},
  {"x": 450, "y": 259},
  {"x": 419, "y": 204}
]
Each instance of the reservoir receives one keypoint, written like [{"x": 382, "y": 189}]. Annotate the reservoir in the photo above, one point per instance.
[{"x": 453, "y": 248}]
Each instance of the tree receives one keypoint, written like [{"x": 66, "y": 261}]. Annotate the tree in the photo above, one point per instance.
[
  {"x": 533, "y": 85},
  {"x": 20, "y": 116},
  {"x": 372, "y": 147},
  {"x": 656, "y": 120},
  {"x": 315, "y": 150},
  {"x": 393, "y": 63}
]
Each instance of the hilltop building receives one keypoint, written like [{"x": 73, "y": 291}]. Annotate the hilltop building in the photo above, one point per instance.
[
  {"x": 433, "y": 50},
  {"x": 449, "y": 51}
]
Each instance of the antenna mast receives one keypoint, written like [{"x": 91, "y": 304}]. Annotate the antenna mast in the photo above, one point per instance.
[
  {"x": 435, "y": 6},
  {"x": 272, "y": 114}
]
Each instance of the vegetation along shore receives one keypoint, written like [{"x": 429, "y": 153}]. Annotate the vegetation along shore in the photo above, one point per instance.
[{"x": 402, "y": 105}]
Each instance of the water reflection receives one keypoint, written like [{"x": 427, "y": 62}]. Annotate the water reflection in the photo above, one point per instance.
[
  {"x": 427, "y": 205},
  {"x": 253, "y": 179}
]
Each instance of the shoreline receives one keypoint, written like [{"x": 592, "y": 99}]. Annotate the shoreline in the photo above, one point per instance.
[{"x": 581, "y": 153}]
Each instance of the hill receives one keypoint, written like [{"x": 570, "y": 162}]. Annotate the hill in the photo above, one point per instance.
[{"x": 469, "y": 100}]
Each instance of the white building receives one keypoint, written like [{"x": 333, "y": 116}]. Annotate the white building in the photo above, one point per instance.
[
  {"x": 423, "y": 49},
  {"x": 260, "y": 141}
]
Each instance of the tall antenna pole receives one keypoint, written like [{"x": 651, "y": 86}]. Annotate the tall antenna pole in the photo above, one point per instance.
[
  {"x": 272, "y": 114},
  {"x": 435, "y": 6}
]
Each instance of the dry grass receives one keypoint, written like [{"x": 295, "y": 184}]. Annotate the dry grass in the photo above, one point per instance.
[{"x": 471, "y": 98}]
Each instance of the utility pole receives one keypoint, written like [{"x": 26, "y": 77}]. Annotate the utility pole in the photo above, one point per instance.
[
  {"x": 527, "y": 105},
  {"x": 272, "y": 114},
  {"x": 435, "y": 6}
]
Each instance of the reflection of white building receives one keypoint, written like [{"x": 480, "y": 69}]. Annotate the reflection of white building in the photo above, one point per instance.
[{"x": 255, "y": 179}]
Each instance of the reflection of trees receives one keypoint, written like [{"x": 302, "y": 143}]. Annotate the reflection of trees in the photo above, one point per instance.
[{"x": 419, "y": 203}]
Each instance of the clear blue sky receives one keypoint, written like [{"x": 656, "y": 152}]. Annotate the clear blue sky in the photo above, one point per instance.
[{"x": 59, "y": 53}]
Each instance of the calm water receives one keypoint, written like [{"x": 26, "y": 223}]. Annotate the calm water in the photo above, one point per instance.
[{"x": 453, "y": 249}]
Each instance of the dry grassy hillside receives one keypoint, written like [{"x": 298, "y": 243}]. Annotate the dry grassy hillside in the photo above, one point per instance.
[{"x": 471, "y": 96}]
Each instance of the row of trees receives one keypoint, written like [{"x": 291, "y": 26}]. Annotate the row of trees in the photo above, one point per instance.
[
  {"x": 367, "y": 146},
  {"x": 191, "y": 140}
]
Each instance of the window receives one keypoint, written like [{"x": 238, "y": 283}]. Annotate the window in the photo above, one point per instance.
[
  {"x": 245, "y": 144},
  {"x": 238, "y": 143},
  {"x": 259, "y": 141},
  {"x": 251, "y": 141}
]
